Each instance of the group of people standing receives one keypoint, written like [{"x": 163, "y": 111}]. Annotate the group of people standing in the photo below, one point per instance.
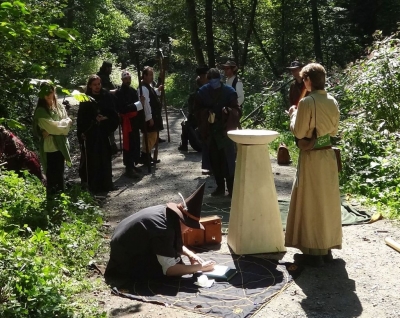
[
  {"x": 314, "y": 219},
  {"x": 97, "y": 120},
  {"x": 214, "y": 109}
]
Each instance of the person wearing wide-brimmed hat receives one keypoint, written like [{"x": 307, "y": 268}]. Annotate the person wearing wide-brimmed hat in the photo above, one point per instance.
[
  {"x": 230, "y": 71},
  {"x": 148, "y": 244},
  {"x": 297, "y": 89}
]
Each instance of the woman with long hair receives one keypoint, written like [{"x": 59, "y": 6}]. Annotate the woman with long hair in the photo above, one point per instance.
[
  {"x": 51, "y": 126},
  {"x": 314, "y": 222}
]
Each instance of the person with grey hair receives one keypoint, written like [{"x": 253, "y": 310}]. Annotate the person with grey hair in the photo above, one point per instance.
[{"x": 217, "y": 111}]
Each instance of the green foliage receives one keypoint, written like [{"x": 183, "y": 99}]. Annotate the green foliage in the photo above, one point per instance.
[
  {"x": 178, "y": 87},
  {"x": 45, "y": 250},
  {"x": 372, "y": 85},
  {"x": 368, "y": 94},
  {"x": 371, "y": 162}
]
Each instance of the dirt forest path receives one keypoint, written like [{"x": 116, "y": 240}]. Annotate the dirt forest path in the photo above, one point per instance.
[{"x": 363, "y": 281}]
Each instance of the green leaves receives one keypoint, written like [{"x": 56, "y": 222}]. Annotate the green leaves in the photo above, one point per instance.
[{"x": 43, "y": 266}]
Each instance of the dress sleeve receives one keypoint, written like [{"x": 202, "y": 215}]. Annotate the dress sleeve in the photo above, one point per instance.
[
  {"x": 146, "y": 106},
  {"x": 240, "y": 92},
  {"x": 167, "y": 262},
  {"x": 53, "y": 127},
  {"x": 300, "y": 120}
]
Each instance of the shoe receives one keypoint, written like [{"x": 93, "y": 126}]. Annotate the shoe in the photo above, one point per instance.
[
  {"x": 144, "y": 159},
  {"x": 155, "y": 161},
  {"x": 310, "y": 260},
  {"x": 328, "y": 257},
  {"x": 113, "y": 188},
  {"x": 206, "y": 173},
  {"x": 160, "y": 140},
  {"x": 183, "y": 148},
  {"x": 136, "y": 169},
  {"x": 218, "y": 192},
  {"x": 130, "y": 173}
]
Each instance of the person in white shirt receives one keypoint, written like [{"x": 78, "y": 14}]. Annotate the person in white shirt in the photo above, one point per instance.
[
  {"x": 230, "y": 71},
  {"x": 152, "y": 109}
]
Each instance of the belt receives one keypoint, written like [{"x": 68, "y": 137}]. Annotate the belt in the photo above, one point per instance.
[{"x": 322, "y": 148}]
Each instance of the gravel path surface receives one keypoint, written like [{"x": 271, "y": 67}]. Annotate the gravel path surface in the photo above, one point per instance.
[{"x": 363, "y": 281}]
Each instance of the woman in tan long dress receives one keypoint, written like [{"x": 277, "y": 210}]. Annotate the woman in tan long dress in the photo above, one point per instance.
[{"x": 314, "y": 219}]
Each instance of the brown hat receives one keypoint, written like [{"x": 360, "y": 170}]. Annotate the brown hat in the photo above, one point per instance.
[
  {"x": 190, "y": 216},
  {"x": 230, "y": 64},
  {"x": 294, "y": 65}
]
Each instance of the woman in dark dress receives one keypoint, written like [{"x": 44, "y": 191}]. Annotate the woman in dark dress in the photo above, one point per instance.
[{"x": 96, "y": 120}]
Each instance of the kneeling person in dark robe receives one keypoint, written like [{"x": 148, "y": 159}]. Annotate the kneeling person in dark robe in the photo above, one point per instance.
[{"x": 148, "y": 244}]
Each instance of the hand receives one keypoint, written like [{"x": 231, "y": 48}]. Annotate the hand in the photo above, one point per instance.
[
  {"x": 45, "y": 134},
  {"x": 151, "y": 122},
  {"x": 292, "y": 109},
  {"x": 161, "y": 88},
  {"x": 142, "y": 99},
  {"x": 100, "y": 118},
  {"x": 194, "y": 259},
  {"x": 207, "y": 266},
  {"x": 225, "y": 110}
]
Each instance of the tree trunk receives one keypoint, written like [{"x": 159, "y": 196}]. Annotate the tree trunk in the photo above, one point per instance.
[
  {"x": 235, "y": 44},
  {"x": 194, "y": 35},
  {"x": 283, "y": 25},
  {"x": 210, "y": 33},
  {"x": 248, "y": 34},
  {"x": 317, "y": 36},
  {"x": 265, "y": 53}
]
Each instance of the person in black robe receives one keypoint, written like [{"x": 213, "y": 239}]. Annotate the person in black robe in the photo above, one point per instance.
[
  {"x": 148, "y": 244},
  {"x": 131, "y": 112},
  {"x": 96, "y": 120}
]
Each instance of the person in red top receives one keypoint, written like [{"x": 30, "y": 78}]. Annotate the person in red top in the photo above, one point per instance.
[{"x": 129, "y": 107}]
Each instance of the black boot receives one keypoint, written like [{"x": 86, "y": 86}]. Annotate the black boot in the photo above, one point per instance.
[
  {"x": 130, "y": 173},
  {"x": 144, "y": 159}
]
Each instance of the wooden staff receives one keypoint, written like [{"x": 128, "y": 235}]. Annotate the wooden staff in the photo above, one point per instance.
[
  {"x": 162, "y": 76},
  {"x": 146, "y": 139},
  {"x": 392, "y": 243}
]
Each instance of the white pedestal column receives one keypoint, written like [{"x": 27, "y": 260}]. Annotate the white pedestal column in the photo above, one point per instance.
[{"x": 255, "y": 223}]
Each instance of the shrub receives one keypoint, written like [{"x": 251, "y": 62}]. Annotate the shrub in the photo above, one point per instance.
[{"x": 45, "y": 249}]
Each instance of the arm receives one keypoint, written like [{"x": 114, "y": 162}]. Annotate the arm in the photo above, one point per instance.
[
  {"x": 53, "y": 127},
  {"x": 300, "y": 119},
  {"x": 240, "y": 92},
  {"x": 146, "y": 106}
]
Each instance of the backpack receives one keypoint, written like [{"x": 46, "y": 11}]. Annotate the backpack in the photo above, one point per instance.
[{"x": 283, "y": 157}]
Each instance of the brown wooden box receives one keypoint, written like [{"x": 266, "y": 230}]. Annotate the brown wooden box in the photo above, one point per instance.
[{"x": 211, "y": 235}]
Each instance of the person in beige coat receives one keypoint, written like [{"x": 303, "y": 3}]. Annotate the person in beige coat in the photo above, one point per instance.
[{"x": 314, "y": 220}]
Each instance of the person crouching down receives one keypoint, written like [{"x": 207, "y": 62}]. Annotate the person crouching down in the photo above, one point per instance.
[{"x": 148, "y": 244}]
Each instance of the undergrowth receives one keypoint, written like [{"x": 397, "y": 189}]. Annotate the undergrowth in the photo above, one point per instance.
[{"x": 45, "y": 250}]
